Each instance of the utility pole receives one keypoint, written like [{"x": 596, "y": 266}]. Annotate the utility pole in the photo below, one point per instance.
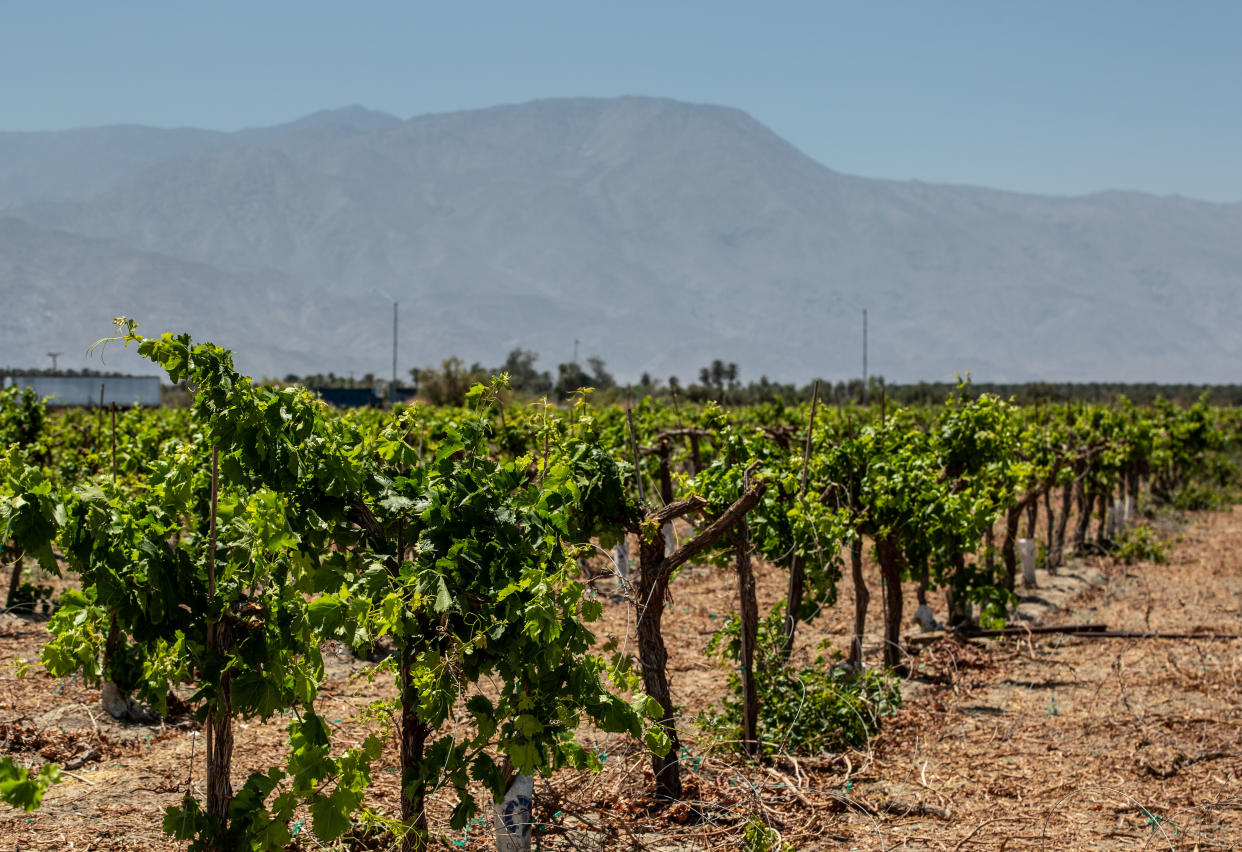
[
  {"x": 864, "y": 376},
  {"x": 54, "y": 356},
  {"x": 392, "y": 388},
  {"x": 575, "y": 350}
]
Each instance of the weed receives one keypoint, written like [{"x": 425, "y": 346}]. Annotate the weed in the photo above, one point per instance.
[
  {"x": 823, "y": 707},
  {"x": 1197, "y": 496},
  {"x": 760, "y": 838},
  {"x": 1140, "y": 543}
]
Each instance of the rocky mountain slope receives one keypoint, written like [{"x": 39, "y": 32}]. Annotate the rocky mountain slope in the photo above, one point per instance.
[{"x": 660, "y": 234}]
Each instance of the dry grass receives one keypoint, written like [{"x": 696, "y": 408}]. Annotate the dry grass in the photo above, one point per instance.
[{"x": 1048, "y": 742}]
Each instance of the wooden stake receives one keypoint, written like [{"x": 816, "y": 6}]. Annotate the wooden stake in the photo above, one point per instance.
[
  {"x": 806, "y": 453},
  {"x": 114, "y": 443},
  {"x": 638, "y": 471},
  {"x": 545, "y": 440},
  {"x": 797, "y": 565}
]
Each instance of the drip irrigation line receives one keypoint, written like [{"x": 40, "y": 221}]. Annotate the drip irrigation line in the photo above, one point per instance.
[{"x": 1083, "y": 631}]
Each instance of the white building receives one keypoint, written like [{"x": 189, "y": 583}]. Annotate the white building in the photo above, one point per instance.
[{"x": 125, "y": 391}]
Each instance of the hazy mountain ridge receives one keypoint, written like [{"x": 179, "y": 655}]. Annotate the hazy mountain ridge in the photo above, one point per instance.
[
  {"x": 47, "y": 308},
  {"x": 662, "y": 235}
]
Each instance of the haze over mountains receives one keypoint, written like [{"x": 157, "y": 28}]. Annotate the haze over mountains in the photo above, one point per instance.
[{"x": 660, "y": 234}]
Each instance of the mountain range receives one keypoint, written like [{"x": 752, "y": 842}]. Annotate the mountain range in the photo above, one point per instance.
[{"x": 660, "y": 235}]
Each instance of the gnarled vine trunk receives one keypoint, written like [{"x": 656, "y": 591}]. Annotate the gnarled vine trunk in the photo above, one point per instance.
[
  {"x": 654, "y": 569},
  {"x": 653, "y": 659},
  {"x": 1083, "y": 522},
  {"x": 1056, "y": 550},
  {"x": 413, "y": 740},
  {"x": 15, "y": 582},
  {"x": 889, "y": 558},
  {"x": 1052, "y": 519},
  {"x": 220, "y": 761},
  {"x": 959, "y": 609},
  {"x": 666, "y": 473},
  {"x": 220, "y": 717},
  {"x": 923, "y": 573},
  {"x": 1008, "y": 547}
]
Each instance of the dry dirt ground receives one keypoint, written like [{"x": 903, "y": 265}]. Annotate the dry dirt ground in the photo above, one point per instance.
[{"x": 1047, "y": 742}]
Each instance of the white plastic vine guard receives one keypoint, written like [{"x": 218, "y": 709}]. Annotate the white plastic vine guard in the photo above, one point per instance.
[
  {"x": 621, "y": 556},
  {"x": 1117, "y": 522},
  {"x": 1026, "y": 550},
  {"x": 513, "y": 815},
  {"x": 926, "y": 619},
  {"x": 113, "y": 701}
]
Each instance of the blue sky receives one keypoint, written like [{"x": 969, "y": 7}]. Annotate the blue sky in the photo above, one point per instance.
[{"x": 1047, "y": 97}]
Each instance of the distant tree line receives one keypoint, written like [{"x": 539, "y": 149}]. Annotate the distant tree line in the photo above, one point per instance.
[
  {"x": 1037, "y": 393},
  {"x": 47, "y": 371},
  {"x": 721, "y": 381},
  {"x": 329, "y": 380},
  {"x": 448, "y": 383}
]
